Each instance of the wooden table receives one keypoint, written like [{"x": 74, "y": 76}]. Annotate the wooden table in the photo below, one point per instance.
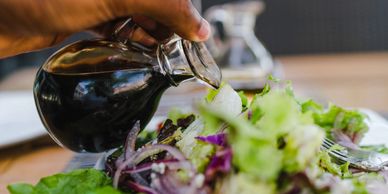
[
  {"x": 352, "y": 80},
  {"x": 27, "y": 163}
]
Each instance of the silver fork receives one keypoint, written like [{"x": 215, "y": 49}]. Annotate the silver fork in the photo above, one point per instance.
[{"x": 361, "y": 159}]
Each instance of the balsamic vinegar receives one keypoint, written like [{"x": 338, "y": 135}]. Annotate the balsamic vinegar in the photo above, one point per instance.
[{"x": 94, "y": 112}]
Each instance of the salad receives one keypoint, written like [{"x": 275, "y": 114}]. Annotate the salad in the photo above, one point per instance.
[{"x": 268, "y": 144}]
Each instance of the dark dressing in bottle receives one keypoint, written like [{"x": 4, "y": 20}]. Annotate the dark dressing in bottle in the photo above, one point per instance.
[{"x": 90, "y": 94}]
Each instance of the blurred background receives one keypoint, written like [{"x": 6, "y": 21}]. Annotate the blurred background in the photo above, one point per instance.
[
  {"x": 290, "y": 28},
  {"x": 321, "y": 26}
]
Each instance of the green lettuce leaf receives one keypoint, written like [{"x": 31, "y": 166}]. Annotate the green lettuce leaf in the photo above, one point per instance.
[
  {"x": 350, "y": 122},
  {"x": 21, "y": 188},
  {"x": 83, "y": 181},
  {"x": 224, "y": 99},
  {"x": 176, "y": 113},
  {"x": 244, "y": 99},
  {"x": 359, "y": 187},
  {"x": 197, "y": 152},
  {"x": 243, "y": 183},
  {"x": 326, "y": 163},
  {"x": 213, "y": 93},
  {"x": 255, "y": 146},
  {"x": 380, "y": 148}
]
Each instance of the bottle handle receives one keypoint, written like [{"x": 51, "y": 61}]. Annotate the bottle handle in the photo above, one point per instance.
[{"x": 124, "y": 30}]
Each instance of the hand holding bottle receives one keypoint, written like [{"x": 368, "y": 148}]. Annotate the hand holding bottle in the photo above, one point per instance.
[{"x": 31, "y": 25}]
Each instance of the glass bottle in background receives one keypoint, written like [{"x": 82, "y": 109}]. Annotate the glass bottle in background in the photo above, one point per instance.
[
  {"x": 198, "y": 5},
  {"x": 244, "y": 61}
]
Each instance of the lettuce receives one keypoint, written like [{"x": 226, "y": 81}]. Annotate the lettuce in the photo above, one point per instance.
[
  {"x": 83, "y": 181},
  {"x": 381, "y": 148},
  {"x": 224, "y": 99},
  {"x": 243, "y": 183},
  {"x": 213, "y": 93},
  {"x": 328, "y": 165},
  {"x": 197, "y": 152},
  {"x": 334, "y": 118},
  {"x": 280, "y": 117},
  {"x": 175, "y": 113},
  {"x": 276, "y": 117},
  {"x": 244, "y": 99}
]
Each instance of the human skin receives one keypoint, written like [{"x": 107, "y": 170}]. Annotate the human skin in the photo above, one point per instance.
[{"x": 28, "y": 25}]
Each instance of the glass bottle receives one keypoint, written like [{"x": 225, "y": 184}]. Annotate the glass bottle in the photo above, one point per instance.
[
  {"x": 89, "y": 94},
  {"x": 244, "y": 61}
]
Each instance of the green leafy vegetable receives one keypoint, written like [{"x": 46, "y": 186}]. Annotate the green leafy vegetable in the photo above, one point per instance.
[
  {"x": 213, "y": 93},
  {"x": 359, "y": 187},
  {"x": 326, "y": 163},
  {"x": 376, "y": 148},
  {"x": 278, "y": 135},
  {"x": 243, "y": 183},
  {"x": 84, "y": 181},
  {"x": 273, "y": 79},
  {"x": 244, "y": 99},
  {"x": 255, "y": 142},
  {"x": 145, "y": 137},
  {"x": 335, "y": 118},
  {"x": 21, "y": 188},
  {"x": 175, "y": 113}
]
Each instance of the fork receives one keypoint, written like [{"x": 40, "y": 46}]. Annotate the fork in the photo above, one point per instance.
[{"x": 357, "y": 158}]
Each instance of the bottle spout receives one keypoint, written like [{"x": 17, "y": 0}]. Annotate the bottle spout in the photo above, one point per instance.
[
  {"x": 202, "y": 63},
  {"x": 183, "y": 60}
]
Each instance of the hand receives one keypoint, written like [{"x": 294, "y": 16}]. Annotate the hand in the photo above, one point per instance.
[{"x": 36, "y": 24}]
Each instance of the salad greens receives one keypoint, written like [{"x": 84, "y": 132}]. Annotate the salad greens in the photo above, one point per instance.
[
  {"x": 271, "y": 138},
  {"x": 336, "y": 119},
  {"x": 84, "y": 181},
  {"x": 268, "y": 143}
]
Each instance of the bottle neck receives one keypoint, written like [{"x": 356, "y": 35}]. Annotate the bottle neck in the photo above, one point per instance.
[
  {"x": 173, "y": 62},
  {"x": 183, "y": 60}
]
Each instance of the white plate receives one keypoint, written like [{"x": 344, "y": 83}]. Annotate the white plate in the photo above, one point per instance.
[
  {"x": 19, "y": 119},
  {"x": 378, "y": 129}
]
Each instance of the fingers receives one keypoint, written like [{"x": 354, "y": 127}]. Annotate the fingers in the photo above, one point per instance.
[
  {"x": 140, "y": 36},
  {"x": 136, "y": 34},
  {"x": 157, "y": 30},
  {"x": 61, "y": 16},
  {"x": 145, "y": 22},
  {"x": 182, "y": 18},
  {"x": 179, "y": 16},
  {"x": 46, "y": 18}
]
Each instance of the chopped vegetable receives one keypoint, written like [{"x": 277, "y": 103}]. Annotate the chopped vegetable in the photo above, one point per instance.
[{"x": 217, "y": 139}]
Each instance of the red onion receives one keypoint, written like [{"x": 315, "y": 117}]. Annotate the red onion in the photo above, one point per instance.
[
  {"x": 131, "y": 140},
  {"x": 144, "y": 153}
]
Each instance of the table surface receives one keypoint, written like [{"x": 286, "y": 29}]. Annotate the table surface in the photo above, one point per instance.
[{"x": 351, "y": 80}]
